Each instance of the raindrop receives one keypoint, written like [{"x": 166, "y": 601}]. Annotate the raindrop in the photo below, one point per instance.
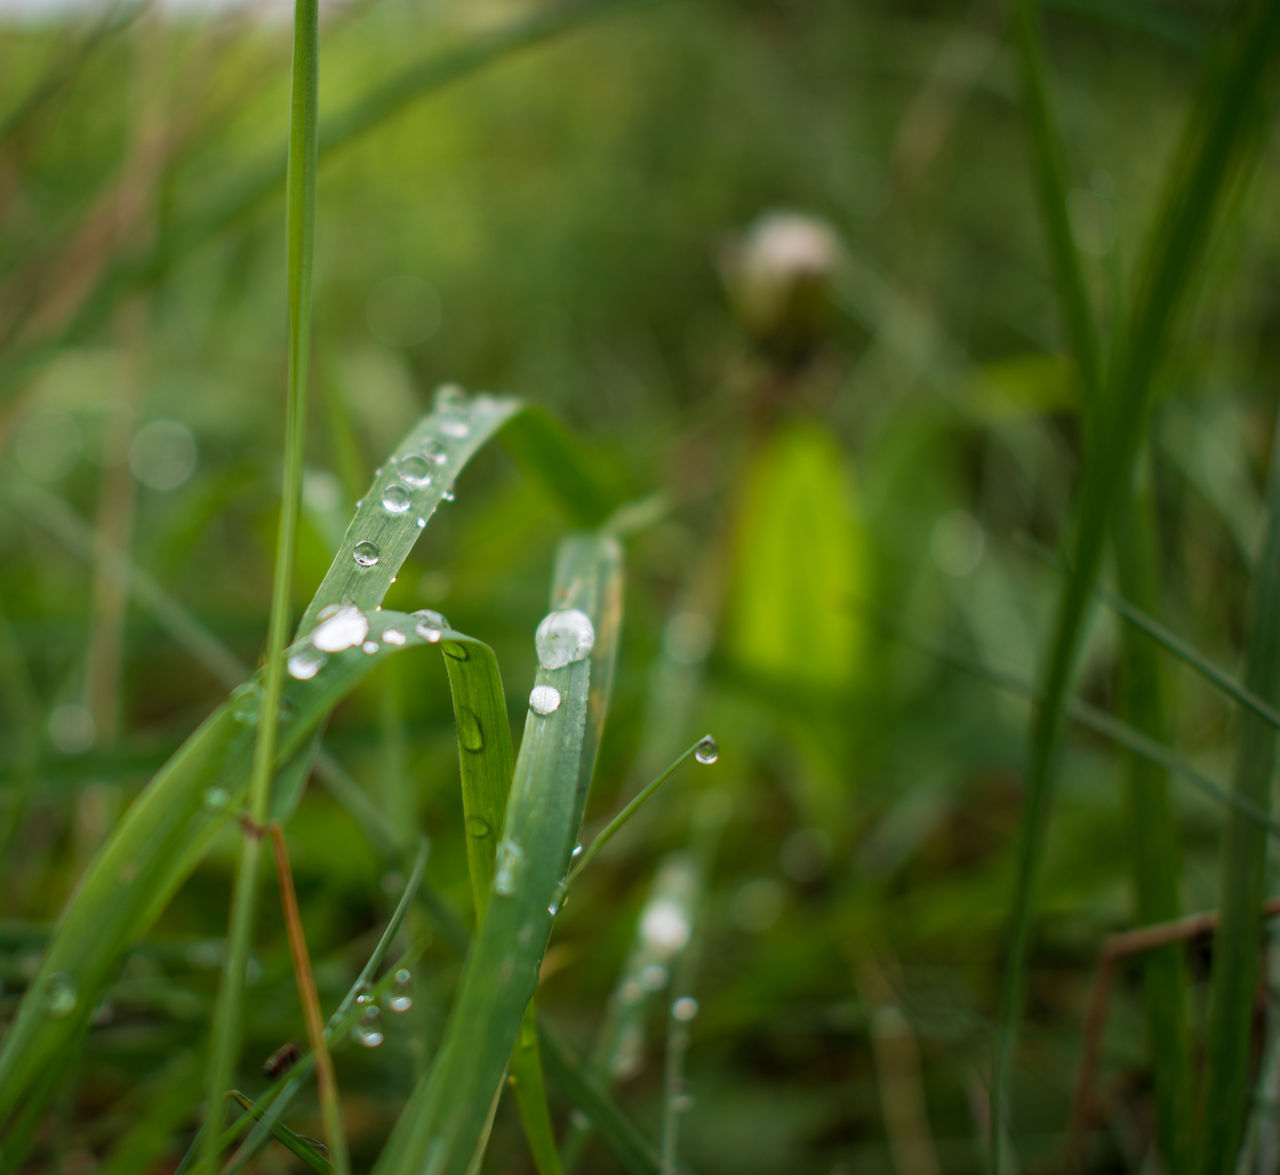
[
  {"x": 368, "y": 1029},
  {"x": 470, "y": 736},
  {"x": 365, "y": 553},
  {"x": 510, "y": 861},
  {"x": 305, "y": 663},
  {"x": 216, "y": 798},
  {"x": 364, "y": 993},
  {"x": 395, "y": 498},
  {"x": 416, "y": 471},
  {"x": 435, "y": 453},
  {"x": 399, "y": 998},
  {"x": 707, "y": 751},
  {"x": 653, "y": 977},
  {"x": 682, "y": 1103},
  {"x": 456, "y": 426},
  {"x": 450, "y": 398},
  {"x": 422, "y": 522},
  {"x": 342, "y": 628},
  {"x": 665, "y": 926},
  {"x": 577, "y": 852},
  {"x": 430, "y": 624},
  {"x": 393, "y": 636},
  {"x": 564, "y": 637},
  {"x": 456, "y": 651},
  {"x": 685, "y": 1008},
  {"x": 544, "y": 699},
  {"x": 553, "y": 909},
  {"x": 245, "y": 703},
  {"x": 370, "y": 647},
  {"x": 478, "y": 826},
  {"x": 60, "y": 995}
]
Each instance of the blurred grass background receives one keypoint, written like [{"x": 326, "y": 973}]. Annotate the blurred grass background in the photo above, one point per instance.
[{"x": 855, "y": 421}]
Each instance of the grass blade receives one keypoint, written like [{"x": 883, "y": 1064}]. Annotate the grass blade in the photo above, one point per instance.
[
  {"x": 1216, "y": 144},
  {"x": 1244, "y": 856},
  {"x": 443, "y": 1124},
  {"x": 300, "y": 230},
  {"x": 291, "y": 1141}
]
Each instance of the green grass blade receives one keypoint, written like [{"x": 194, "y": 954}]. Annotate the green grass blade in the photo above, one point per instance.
[
  {"x": 1216, "y": 144},
  {"x": 548, "y": 453},
  {"x": 300, "y": 231},
  {"x": 289, "y": 1139},
  {"x": 1155, "y": 857},
  {"x": 442, "y": 1126},
  {"x": 1244, "y": 855}
]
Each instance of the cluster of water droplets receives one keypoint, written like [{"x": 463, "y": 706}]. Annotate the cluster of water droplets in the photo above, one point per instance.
[{"x": 367, "y": 1030}]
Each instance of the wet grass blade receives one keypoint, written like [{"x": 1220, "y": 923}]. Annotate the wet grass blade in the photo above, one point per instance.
[
  {"x": 289, "y": 1139},
  {"x": 1217, "y": 143},
  {"x": 443, "y": 1124},
  {"x": 1229, "y": 1041}
]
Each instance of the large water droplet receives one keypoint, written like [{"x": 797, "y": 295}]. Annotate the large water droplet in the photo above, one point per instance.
[
  {"x": 435, "y": 453},
  {"x": 544, "y": 699},
  {"x": 685, "y": 1008},
  {"x": 393, "y": 636},
  {"x": 399, "y": 998},
  {"x": 305, "y": 663},
  {"x": 664, "y": 926},
  {"x": 365, "y": 553},
  {"x": 343, "y": 628},
  {"x": 564, "y": 637},
  {"x": 507, "y": 867},
  {"x": 415, "y": 470},
  {"x": 60, "y": 995},
  {"x": 395, "y": 498},
  {"x": 450, "y": 397},
  {"x": 707, "y": 750},
  {"x": 470, "y": 736},
  {"x": 429, "y": 624},
  {"x": 368, "y": 1029}
]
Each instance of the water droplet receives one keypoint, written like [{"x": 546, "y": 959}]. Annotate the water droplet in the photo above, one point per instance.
[
  {"x": 653, "y": 977},
  {"x": 455, "y": 650},
  {"x": 470, "y": 736},
  {"x": 448, "y": 496},
  {"x": 435, "y": 453},
  {"x": 305, "y": 663},
  {"x": 430, "y": 624},
  {"x": 577, "y": 852},
  {"x": 415, "y": 470},
  {"x": 564, "y": 637},
  {"x": 365, "y": 553},
  {"x": 60, "y": 995},
  {"x": 665, "y": 926},
  {"x": 364, "y": 992},
  {"x": 422, "y": 522},
  {"x": 544, "y": 699},
  {"x": 478, "y": 826},
  {"x": 395, "y": 498},
  {"x": 457, "y": 426},
  {"x": 245, "y": 704},
  {"x": 510, "y": 861},
  {"x": 682, "y": 1103},
  {"x": 342, "y": 628},
  {"x": 216, "y": 798},
  {"x": 707, "y": 750},
  {"x": 450, "y": 397},
  {"x": 370, "y": 647},
  {"x": 368, "y": 1029},
  {"x": 393, "y": 636},
  {"x": 399, "y": 998},
  {"x": 685, "y": 1008}
]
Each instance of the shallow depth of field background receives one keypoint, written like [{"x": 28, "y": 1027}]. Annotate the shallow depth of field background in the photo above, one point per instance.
[{"x": 777, "y": 263}]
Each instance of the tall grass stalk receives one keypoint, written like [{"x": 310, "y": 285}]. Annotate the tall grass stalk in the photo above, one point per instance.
[
  {"x": 1154, "y": 833},
  {"x": 300, "y": 238},
  {"x": 1215, "y": 147},
  {"x": 1244, "y": 855}
]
